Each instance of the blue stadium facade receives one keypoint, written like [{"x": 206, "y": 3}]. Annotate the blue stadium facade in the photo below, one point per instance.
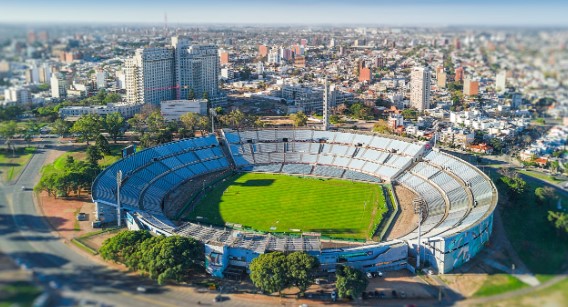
[{"x": 458, "y": 199}]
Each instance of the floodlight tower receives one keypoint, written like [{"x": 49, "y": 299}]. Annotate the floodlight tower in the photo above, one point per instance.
[
  {"x": 326, "y": 103},
  {"x": 118, "y": 185}
]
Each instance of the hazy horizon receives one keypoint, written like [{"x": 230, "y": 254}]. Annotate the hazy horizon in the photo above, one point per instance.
[{"x": 436, "y": 13}]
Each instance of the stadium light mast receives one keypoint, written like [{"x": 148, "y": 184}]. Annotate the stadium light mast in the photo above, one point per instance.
[
  {"x": 213, "y": 113},
  {"x": 118, "y": 185},
  {"x": 326, "y": 103},
  {"x": 420, "y": 204}
]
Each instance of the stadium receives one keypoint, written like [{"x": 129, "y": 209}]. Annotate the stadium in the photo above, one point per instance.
[{"x": 346, "y": 197}]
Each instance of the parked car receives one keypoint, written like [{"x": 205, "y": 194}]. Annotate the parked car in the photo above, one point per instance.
[{"x": 82, "y": 216}]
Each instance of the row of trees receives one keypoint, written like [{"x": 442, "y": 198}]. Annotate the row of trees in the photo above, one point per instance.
[
  {"x": 164, "y": 259},
  {"x": 76, "y": 176},
  {"x": 275, "y": 272},
  {"x": 89, "y": 126}
]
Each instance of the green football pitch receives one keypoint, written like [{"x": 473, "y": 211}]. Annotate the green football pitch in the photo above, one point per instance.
[{"x": 282, "y": 203}]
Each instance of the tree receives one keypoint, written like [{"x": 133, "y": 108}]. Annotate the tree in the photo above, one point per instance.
[
  {"x": 88, "y": 127},
  {"x": 114, "y": 125},
  {"x": 235, "y": 118},
  {"x": 191, "y": 94},
  {"x": 559, "y": 220},
  {"x": 138, "y": 123},
  {"x": 126, "y": 243},
  {"x": 299, "y": 119},
  {"x": 268, "y": 272},
  {"x": 60, "y": 127},
  {"x": 7, "y": 131},
  {"x": 544, "y": 195},
  {"x": 381, "y": 126},
  {"x": 94, "y": 154},
  {"x": 350, "y": 282},
  {"x": 112, "y": 98},
  {"x": 190, "y": 121},
  {"x": 301, "y": 269},
  {"x": 409, "y": 114},
  {"x": 103, "y": 145},
  {"x": 203, "y": 123},
  {"x": 169, "y": 258},
  {"x": 515, "y": 184}
]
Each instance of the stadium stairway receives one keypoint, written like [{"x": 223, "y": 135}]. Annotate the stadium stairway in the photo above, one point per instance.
[{"x": 225, "y": 148}]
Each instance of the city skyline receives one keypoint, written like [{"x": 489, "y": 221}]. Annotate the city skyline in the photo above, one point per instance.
[{"x": 401, "y": 13}]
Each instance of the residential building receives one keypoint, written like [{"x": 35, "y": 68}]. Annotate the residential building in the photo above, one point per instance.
[
  {"x": 459, "y": 74},
  {"x": 470, "y": 87},
  {"x": 274, "y": 56},
  {"x": 262, "y": 50},
  {"x": 364, "y": 72},
  {"x": 100, "y": 79},
  {"x": 58, "y": 86},
  {"x": 441, "y": 79},
  {"x": 17, "y": 95},
  {"x": 299, "y": 61},
  {"x": 158, "y": 74},
  {"x": 420, "y": 95},
  {"x": 172, "y": 110},
  {"x": 127, "y": 110},
  {"x": 224, "y": 57},
  {"x": 501, "y": 81}
]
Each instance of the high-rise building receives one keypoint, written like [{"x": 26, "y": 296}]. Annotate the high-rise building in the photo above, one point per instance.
[
  {"x": 420, "y": 88},
  {"x": 262, "y": 50},
  {"x": 299, "y": 61},
  {"x": 45, "y": 73},
  {"x": 501, "y": 81},
  {"x": 364, "y": 72},
  {"x": 100, "y": 79},
  {"x": 304, "y": 42},
  {"x": 17, "y": 95},
  {"x": 274, "y": 56},
  {"x": 459, "y": 74},
  {"x": 470, "y": 87},
  {"x": 58, "y": 86},
  {"x": 224, "y": 57},
  {"x": 120, "y": 79},
  {"x": 150, "y": 75},
  {"x": 328, "y": 98},
  {"x": 173, "y": 72}
]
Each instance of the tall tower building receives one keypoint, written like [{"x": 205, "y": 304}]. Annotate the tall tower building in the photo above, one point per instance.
[
  {"x": 420, "y": 78},
  {"x": 328, "y": 99},
  {"x": 459, "y": 74},
  {"x": 501, "y": 81},
  {"x": 58, "y": 86},
  {"x": 167, "y": 73}
]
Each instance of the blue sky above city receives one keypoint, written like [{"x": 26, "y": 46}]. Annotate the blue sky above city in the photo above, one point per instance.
[{"x": 402, "y": 12}]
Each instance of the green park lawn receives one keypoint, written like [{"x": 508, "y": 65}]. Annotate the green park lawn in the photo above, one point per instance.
[
  {"x": 12, "y": 163},
  {"x": 282, "y": 203},
  {"x": 499, "y": 283},
  {"x": 534, "y": 238},
  {"x": 19, "y": 293}
]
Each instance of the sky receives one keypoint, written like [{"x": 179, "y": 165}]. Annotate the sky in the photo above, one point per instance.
[{"x": 377, "y": 12}]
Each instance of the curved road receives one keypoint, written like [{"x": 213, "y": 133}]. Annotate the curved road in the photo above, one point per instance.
[{"x": 27, "y": 238}]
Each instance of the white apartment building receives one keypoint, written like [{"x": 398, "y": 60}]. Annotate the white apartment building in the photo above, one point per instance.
[
  {"x": 58, "y": 86},
  {"x": 172, "y": 110},
  {"x": 158, "y": 74},
  {"x": 127, "y": 110},
  {"x": 420, "y": 79},
  {"x": 501, "y": 81},
  {"x": 17, "y": 95}
]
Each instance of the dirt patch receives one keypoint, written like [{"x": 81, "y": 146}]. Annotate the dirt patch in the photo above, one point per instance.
[
  {"x": 407, "y": 221},
  {"x": 61, "y": 214},
  {"x": 403, "y": 283}
]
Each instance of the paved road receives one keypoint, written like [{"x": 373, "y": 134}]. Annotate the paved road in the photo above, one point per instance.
[{"x": 26, "y": 237}]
